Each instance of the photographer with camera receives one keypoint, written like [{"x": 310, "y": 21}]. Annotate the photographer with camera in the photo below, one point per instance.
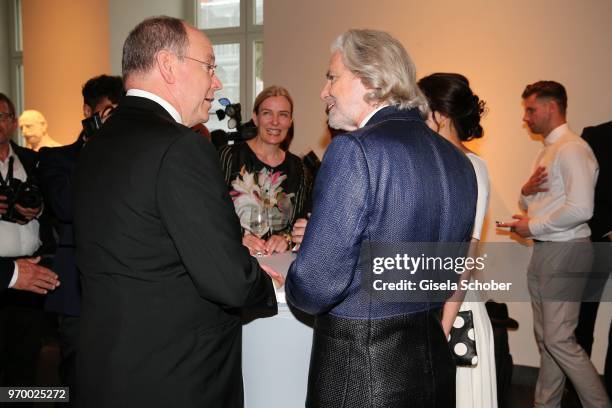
[
  {"x": 21, "y": 313},
  {"x": 56, "y": 166}
]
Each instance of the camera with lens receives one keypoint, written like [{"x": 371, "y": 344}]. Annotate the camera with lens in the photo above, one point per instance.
[
  {"x": 91, "y": 125},
  {"x": 242, "y": 133},
  {"x": 27, "y": 194}
]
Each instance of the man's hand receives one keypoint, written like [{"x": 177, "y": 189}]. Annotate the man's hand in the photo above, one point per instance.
[
  {"x": 3, "y": 205},
  {"x": 278, "y": 279},
  {"x": 28, "y": 213},
  {"x": 534, "y": 184},
  {"x": 35, "y": 278},
  {"x": 521, "y": 226}
]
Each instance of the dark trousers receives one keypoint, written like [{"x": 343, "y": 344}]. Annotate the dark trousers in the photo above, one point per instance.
[
  {"x": 68, "y": 331},
  {"x": 20, "y": 341}
]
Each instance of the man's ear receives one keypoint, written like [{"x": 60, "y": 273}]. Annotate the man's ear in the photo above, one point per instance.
[
  {"x": 554, "y": 106},
  {"x": 167, "y": 64},
  {"x": 87, "y": 111},
  {"x": 437, "y": 117}
]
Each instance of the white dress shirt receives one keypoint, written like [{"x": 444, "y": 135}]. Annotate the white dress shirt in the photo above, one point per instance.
[
  {"x": 155, "y": 98},
  {"x": 17, "y": 240},
  {"x": 561, "y": 213}
]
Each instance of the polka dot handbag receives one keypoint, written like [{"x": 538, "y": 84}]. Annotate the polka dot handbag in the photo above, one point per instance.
[{"x": 462, "y": 340}]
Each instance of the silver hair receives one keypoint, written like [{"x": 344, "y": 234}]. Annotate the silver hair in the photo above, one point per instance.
[{"x": 382, "y": 64}]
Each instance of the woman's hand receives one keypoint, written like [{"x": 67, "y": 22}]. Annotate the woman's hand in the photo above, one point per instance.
[
  {"x": 276, "y": 243},
  {"x": 299, "y": 227},
  {"x": 253, "y": 243}
]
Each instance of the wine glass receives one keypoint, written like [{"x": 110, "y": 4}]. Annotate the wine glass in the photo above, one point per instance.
[{"x": 258, "y": 223}]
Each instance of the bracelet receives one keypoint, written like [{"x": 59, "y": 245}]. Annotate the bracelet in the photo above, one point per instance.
[{"x": 287, "y": 237}]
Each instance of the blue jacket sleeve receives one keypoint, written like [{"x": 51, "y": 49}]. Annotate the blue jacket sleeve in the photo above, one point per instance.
[{"x": 325, "y": 266}]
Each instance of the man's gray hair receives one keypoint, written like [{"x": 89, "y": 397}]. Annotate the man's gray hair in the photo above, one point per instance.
[
  {"x": 148, "y": 38},
  {"x": 382, "y": 63}
]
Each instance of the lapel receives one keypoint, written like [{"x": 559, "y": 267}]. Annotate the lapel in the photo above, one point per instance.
[{"x": 27, "y": 157}]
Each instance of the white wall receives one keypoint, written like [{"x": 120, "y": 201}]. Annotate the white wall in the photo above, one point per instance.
[
  {"x": 125, "y": 15},
  {"x": 500, "y": 46}
]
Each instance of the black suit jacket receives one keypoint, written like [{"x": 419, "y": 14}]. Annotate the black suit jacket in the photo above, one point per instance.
[
  {"x": 55, "y": 170},
  {"x": 7, "y": 266},
  {"x": 600, "y": 139},
  {"x": 162, "y": 266}
]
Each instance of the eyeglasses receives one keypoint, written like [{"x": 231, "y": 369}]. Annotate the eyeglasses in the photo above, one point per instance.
[
  {"x": 209, "y": 67},
  {"x": 6, "y": 116}
]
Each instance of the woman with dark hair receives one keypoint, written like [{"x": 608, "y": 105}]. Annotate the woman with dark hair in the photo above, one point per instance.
[
  {"x": 262, "y": 172},
  {"x": 455, "y": 113}
]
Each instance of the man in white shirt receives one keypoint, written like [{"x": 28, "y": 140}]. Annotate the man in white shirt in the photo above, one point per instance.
[
  {"x": 558, "y": 201},
  {"x": 20, "y": 313},
  {"x": 19, "y": 239}
]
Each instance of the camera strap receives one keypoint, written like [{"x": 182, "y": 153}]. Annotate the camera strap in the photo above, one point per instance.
[{"x": 9, "y": 174}]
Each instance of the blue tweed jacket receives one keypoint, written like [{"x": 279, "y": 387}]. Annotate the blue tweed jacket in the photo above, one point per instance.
[{"x": 392, "y": 181}]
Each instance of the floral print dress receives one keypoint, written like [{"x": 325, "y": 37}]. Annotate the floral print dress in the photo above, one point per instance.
[{"x": 282, "y": 189}]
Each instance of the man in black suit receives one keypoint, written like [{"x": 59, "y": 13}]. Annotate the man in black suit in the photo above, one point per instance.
[
  {"x": 163, "y": 270},
  {"x": 600, "y": 139},
  {"x": 55, "y": 168}
]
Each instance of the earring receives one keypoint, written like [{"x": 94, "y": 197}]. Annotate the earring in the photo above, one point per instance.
[{"x": 441, "y": 126}]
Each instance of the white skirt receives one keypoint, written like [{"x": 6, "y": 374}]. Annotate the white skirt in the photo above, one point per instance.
[{"x": 477, "y": 386}]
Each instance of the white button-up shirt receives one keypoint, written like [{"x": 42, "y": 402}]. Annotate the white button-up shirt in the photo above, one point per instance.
[
  {"x": 17, "y": 240},
  {"x": 562, "y": 212}
]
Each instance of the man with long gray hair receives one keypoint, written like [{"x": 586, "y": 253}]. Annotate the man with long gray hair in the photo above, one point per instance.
[
  {"x": 390, "y": 179},
  {"x": 158, "y": 241}
]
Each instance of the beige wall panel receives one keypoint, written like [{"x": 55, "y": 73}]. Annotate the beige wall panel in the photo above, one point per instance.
[{"x": 65, "y": 42}]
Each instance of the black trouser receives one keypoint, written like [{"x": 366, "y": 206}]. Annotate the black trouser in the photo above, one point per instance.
[
  {"x": 68, "y": 331},
  {"x": 20, "y": 341}
]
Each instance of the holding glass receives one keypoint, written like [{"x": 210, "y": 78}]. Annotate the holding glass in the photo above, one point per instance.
[
  {"x": 261, "y": 171},
  {"x": 258, "y": 223}
]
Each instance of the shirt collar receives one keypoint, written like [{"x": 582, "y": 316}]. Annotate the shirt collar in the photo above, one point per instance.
[
  {"x": 10, "y": 153},
  {"x": 556, "y": 134},
  {"x": 156, "y": 98},
  {"x": 367, "y": 118}
]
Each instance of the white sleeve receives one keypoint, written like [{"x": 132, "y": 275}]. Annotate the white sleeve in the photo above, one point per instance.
[
  {"x": 15, "y": 276},
  {"x": 482, "y": 180}
]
